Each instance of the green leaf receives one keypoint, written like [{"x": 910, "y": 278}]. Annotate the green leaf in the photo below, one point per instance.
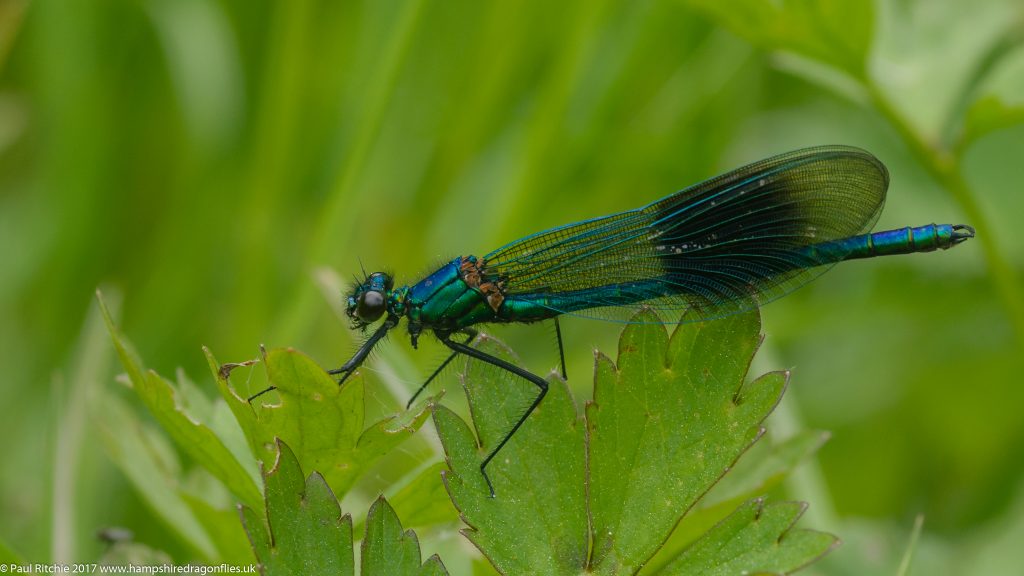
[
  {"x": 765, "y": 465},
  {"x": 665, "y": 425},
  {"x": 990, "y": 113},
  {"x": 756, "y": 539},
  {"x": 836, "y": 32},
  {"x": 760, "y": 469},
  {"x": 668, "y": 420},
  {"x": 387, "y": 550},
  {"x": 324, "y": 422},
  {"x": 423, "y": 501},
  {"x": 304, "y": 531},
  {"x": 993, "y": 96},
  {"x": 194, "y": 438},
  {"x": 224, "y": 530},
  {"x": 137, "y": 452},
  {"x": 538, "y": 517},
  {"x": 238, "y": 405}
]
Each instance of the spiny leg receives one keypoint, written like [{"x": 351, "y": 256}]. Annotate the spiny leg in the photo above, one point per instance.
[
  {"x": 561, "y": 351},
  {"x": 529, "y": 376},
  {"x": 359, "y": 357},
  {"x": 470, "y": 334},
  {"x": 348, "y": 367}
]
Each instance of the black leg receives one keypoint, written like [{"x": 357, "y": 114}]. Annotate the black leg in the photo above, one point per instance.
[
  {"x": 349, "y": 367},
  {"x": 561, "y": 351},
  {"x": 260, "y": 393},
  {"x": 531, "y": 377},
  {"x": 470, "y": 334}
]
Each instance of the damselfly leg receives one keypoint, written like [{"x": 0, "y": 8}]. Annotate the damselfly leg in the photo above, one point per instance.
[
  {"x": 470, "y": 334},
  {"x": 529, "y": 376}
]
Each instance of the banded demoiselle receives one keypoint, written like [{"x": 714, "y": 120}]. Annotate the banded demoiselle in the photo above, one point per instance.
[{"x": 725, "y": 245}]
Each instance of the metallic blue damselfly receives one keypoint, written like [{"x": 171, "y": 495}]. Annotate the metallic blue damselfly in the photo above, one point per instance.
[{"x": 725, "y": 245}]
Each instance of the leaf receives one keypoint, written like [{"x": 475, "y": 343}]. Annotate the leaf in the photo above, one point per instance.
[
  {"x": 238, "y": 405},
  {"x": 135, "y": 451},
  {"x": 304, "y": 531},
  {"x": 759, "y": 470},
  {"x": 765, "y": 465},
  {"x": 224, "y": 530},
  {"x": 665, "y": 425},
  {"x": 387, "y": 550},
  {"x": 424, "y": 501},
  {"x": 321, "y": 420},
  {"x": 538, "y": 517},
  {"x": 194, "y": 438},
  {"x": 756, "y": 539},
  {"x": 668, "y": 420},
  {"x": 989, "y": 113},
  {"x": 994, "y": 93},
  {"x": 836, "y": 32}
]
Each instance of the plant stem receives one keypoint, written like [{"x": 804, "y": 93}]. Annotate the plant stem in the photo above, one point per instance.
[
  {"x": 945, "y": 168},
  {"x": 908, "y": 554}
]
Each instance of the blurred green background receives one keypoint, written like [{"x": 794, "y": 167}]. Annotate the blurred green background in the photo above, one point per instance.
[{"x": 213, "y": 161}]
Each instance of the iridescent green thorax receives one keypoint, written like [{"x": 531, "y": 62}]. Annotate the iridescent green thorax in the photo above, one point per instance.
[
  {"x": 455, "y": 296},
  {"x": 397, "y": 299}
]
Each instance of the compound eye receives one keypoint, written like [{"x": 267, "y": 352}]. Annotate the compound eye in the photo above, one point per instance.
[
  {"x": 371, "y": 306},
  {"x": 378, "y": 279}
]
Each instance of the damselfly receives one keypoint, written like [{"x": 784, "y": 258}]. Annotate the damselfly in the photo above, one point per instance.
[{"x": 716, "y": 248}]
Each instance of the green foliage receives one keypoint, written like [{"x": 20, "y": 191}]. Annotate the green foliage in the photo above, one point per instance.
[
  {"x": 836, "y": 32},
  {"x": 387, "y": 549},
  {"x": 324, "y": 421},
  {"x": 602, "y": 494},
  {"x": 762, "y": 468},
  {"x": 193, "y": 437},
  {"x": 207, "y": 157},
  {"x": 756, "y": 535},
  {"x": 304, "y": 531},
  {"x": 423, "y": 501},
  {"x": 539, "y": 517},
  {"x": 143, "y": 456}
]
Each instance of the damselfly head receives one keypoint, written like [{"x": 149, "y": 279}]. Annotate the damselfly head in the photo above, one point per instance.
[{"x": 369, "y": 300}]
